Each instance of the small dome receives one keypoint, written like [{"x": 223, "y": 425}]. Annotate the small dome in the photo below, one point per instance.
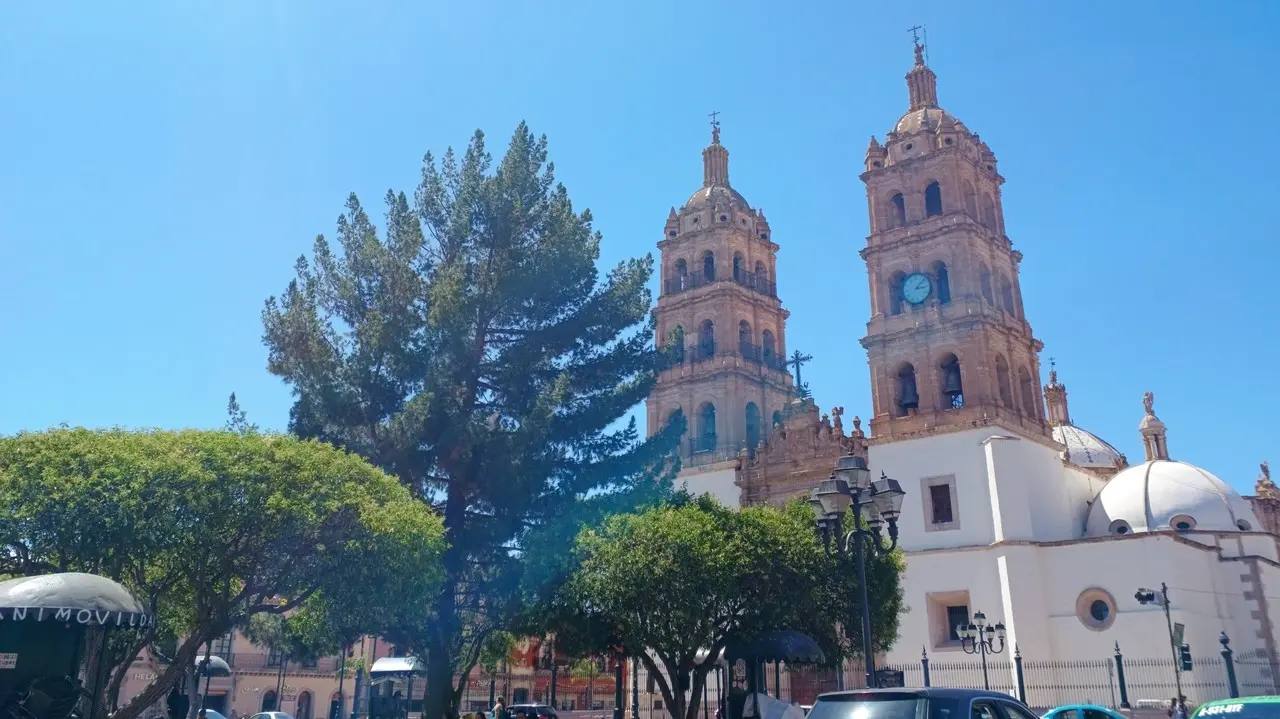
[
  {"x": 915, "y": 120},
  {"x": 1086, "y": 449},
  {"x": 718, "y": 195},
  {"x": 1163, "y": 495}
]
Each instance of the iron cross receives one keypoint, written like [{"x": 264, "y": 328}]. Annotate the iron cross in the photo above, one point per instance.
[
  {"x": 798, "y": 360},
  {"x": 915, "y": 32}
]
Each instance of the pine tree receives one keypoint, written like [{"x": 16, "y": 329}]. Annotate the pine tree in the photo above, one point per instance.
[{"x": 474, "y": 351}]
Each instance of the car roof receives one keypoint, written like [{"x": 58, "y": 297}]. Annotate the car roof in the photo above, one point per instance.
[
  {"x": 1080, "y": 706},
  {"x": 940, "y": 692},
  {"x": 1263, "y": 699}
]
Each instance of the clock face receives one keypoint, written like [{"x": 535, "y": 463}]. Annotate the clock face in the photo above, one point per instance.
[{"x": 915, "y": 288}]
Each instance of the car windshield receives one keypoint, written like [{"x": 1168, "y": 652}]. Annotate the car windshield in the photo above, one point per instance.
[
  {"x": 882, "y": 705},
  {"x": 1242, "y": 710}
]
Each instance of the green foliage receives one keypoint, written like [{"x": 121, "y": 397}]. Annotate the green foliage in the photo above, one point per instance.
[
  {"x": 214, "y": 527},
  {"x": 474, "y": 350},
  {"x": 690, "y": 575},
  {"x": 496, "y": 649}
]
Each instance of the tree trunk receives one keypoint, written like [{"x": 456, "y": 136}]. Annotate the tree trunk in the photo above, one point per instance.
[
  {"x": 193, "y": 695},
  {"x": 439, "y": 700}
]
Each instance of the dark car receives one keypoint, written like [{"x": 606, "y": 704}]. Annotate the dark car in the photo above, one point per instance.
[
  {"x": 927, "y": 703},
  {"x": 532, "y": 711}
]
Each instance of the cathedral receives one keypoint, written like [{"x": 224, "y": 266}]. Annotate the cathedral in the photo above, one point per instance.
[{"x": 1010, "y": 508}]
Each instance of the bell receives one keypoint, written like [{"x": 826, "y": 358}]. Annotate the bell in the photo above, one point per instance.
[
  {"x": 951, "y": 386},
  {"x": 910, "y": 398}
]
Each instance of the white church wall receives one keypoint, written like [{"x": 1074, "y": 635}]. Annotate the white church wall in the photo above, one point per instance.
[
  {"x": 1081, "y": 488},
  {"x": 716, "y": 480},
  {"x": 1030, "y": 491},
  {"x": 933, "y": 581},
  {"x": 957, "y": 458},
  {"x": 1114, "y": 570}
]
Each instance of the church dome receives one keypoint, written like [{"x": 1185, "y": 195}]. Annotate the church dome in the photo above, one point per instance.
[
  {"x": 1163, "y": 495},
  {"x": 718, "y": 195},
  {"x": 1086, "y": 449},
  {"x": 925, "y": 118}
]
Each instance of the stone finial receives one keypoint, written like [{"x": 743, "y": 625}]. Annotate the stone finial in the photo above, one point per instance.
[
  {"x": 1055, "y": 398},
  {"x": 857, "y": 428},
  {"x": 836, "y": 422},
  {"x": 922, "y": 84},
  {"x": 1264, "y": 488},
  {"x": 1154, "y": 436}
]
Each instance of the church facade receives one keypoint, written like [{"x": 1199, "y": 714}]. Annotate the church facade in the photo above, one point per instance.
[{"x": 1011, "y": 509}]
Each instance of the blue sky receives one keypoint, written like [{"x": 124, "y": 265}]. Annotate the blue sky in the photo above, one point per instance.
[{"x": 163, "y": 164}]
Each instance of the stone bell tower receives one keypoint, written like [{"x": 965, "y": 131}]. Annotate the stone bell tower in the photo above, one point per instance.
[
  {"x": 720, "y": 320},
  {"x": 948, "y": 341}
]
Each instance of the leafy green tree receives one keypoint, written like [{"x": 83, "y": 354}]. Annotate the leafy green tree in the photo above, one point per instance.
[
  {"x": 473, "y": 349},
  {"x": 691, "y": 575},
  {"x": 212, "y": 528}
]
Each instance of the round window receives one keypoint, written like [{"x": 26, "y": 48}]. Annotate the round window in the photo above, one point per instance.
[
  {"x": 1182, "y": 523},
  {"x": 724, "y": 218},
  {"x": 1120, "y": 527},
  {"x": 1096, "y": 609},
  {"x": 672, "y": 233},
  {"x": 877, "y": 163},
  {"x": 1099, "y": 610},
  {"x": 908, "y": 147},
  {"x": 947, "y": 141},
  {"x": 1243, "y": 525}
]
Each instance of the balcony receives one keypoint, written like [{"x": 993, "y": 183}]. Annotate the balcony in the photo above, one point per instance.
[
  {"x": 750, "y": 280},
  {"x": 766, "y": 356}
]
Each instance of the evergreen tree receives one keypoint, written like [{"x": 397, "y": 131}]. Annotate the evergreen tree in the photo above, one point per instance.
[{"x": 473, "y": 350}]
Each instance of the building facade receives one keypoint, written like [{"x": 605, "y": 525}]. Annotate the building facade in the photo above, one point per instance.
[{"x": 1012, "y": 509}]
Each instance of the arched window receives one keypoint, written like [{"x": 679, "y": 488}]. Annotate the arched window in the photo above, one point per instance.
[
  {"x": 739, "y": 267},
  {"x": 303, "y": 708},
  {"x": 933, "y": 200},
  {"x": 753, "y": 427},
  {"x": 989, "y": 212},
  {"x": 908, "y": 395},
  {"x": 898, "y": 210},
  {"x": 766, "y": 338},
  {"x": 1003, "y": 382},
  {"x": 895, "y": 294},
  {"x": 707, "y": 339},
  {"x": 709, "y": 266},
  {"x": 951, "y": 382},
  {"x": 336, "y": 705},
  {"x": 777, "y": 418},
  {"x": 984, "y": 278},
  {"x": 1028, "y": 391},
  {"x": 971, "y": 201},
  {"x": 1006, "y": 295},
  {"x": 682, "y": 274},
  {"x": 744, "y": 337},
  {"x": 269, "y": 700},
  {"x": 677, "y": 344},
  {"x": 943, "y": 280},
  {"x": 761, "y": 273},
  {"x": 707, "y": 428}
]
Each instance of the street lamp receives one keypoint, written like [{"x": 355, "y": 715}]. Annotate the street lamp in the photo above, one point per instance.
[
  {"x": 1161, "y": 599},
  {"x": 878, "y": 503},
  {"x": 982, "y": 638}
]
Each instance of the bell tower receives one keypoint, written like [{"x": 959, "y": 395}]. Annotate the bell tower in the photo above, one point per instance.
[
  {"x": 720, "y": 321},
  {"x": 948, "y": 341}
]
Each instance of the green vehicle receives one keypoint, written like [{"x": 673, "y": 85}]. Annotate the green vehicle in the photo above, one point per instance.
[{"x": 1265, "y": 707}]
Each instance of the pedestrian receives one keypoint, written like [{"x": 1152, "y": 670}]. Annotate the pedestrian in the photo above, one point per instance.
[
  {"x": 500, "y": 710},
  {"x": 1178, "y": 708}
]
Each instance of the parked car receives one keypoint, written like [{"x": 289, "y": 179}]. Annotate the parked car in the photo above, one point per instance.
[
  {"x": 1081, "y": 711},
  {"x": 1264, "y": 707},
  {"x": 270, "y": 715},
  {"x": 925, "y": 703},
  {"x": 533, "y": 711}
]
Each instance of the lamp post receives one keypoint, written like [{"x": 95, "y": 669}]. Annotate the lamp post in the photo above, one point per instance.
[
  {"x": 982, "y": 638},
  {"x": 878, "y": 503},
  {"x": 1161, "y": 598}
]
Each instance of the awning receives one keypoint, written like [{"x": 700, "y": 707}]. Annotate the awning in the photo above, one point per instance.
[
  {"x": 72, "y": 598},
  {"x": 217, "y": 666},
  {"x": 391, "y": 666}
]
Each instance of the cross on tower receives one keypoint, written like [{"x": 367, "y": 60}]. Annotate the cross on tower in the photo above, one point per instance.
[
  {"x": 715, "y": 125},
  {"x": 915, "y": 32},
  {"x": 798, "y": 360}
]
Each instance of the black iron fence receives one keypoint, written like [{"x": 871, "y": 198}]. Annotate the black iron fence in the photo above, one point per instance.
[
  {"x": 1116, "y": 681},
  {"x": 574, "y": 691}
]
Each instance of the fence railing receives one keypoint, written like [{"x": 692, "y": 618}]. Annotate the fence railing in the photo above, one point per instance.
[
  {"x": 573, "y": 691},
  {"x": 1116, "y": 681}
]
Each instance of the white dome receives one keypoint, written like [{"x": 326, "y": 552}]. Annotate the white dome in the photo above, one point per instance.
[
  {"x": 1157, "y": 495},
  {"x": 1086, "y": 449}
]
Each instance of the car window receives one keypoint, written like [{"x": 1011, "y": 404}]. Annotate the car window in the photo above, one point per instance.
[
  {"x": 1094, "y": 714},
  {"x": 984, "y": 710},
  {"x": 881, "y": 705},
  {"x": 1013, "y": 710}
]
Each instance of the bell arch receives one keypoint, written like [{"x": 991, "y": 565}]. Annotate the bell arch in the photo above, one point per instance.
[
  {"x": 908, "y": 394},
  {"x": 951, "y": 382}
]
